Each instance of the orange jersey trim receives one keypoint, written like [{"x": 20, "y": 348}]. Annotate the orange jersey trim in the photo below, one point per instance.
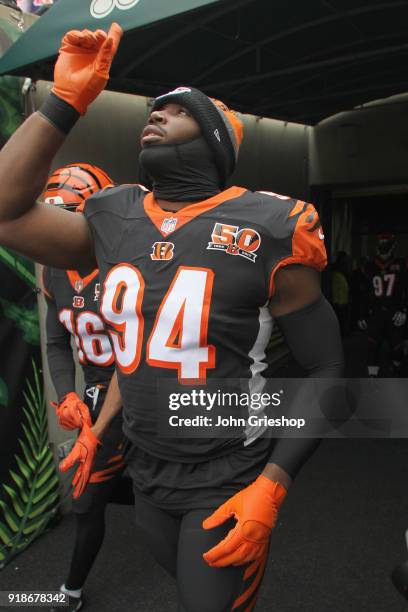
[
  {"x": 119, "y": 328},
  {"x": 74, "y": 276},
  {"x": 176, "y": 334},
  {"x": 307, "y": 246},
  {"x": 178, "y": 329},
  {"x": 297, "y": 208},
  {"x": 157, "y": 215}
]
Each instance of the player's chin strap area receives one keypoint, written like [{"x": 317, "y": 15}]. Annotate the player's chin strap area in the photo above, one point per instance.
[{"x": 181, "y": 173}]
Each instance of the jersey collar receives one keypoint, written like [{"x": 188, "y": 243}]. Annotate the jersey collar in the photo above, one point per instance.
[
  {"x": 157, "y": 215},
  {"x": 77, "y": 282},
  {"x": 384, "y": 264}
]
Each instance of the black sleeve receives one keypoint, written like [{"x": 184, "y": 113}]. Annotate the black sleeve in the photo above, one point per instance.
[
  {"x": 59, "y": 353},
  {"x": 313, "y": 337},
  {"x": 405, "y": 285}
]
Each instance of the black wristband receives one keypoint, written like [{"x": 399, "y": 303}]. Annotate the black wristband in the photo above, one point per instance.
[{"x": 59, "y": 113}]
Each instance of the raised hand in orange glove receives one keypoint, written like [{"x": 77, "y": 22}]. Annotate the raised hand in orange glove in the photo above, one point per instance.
[
  {"x": 82, "y": 68},
  {"x": 83, "y": 452},
  {"x": 256, "y": 509},
  {"x": 72, "y": 412}
]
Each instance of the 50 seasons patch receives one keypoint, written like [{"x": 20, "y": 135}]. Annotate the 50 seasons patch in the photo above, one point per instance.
[{"x": 235, "y": 241}]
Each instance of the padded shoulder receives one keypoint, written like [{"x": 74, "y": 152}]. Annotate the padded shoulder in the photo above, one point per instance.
[{"x": 120, "y": 200}]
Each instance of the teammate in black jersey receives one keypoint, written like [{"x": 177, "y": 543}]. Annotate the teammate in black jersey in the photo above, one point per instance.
[
  {"x": 192, "y": 276},
  {"x": 72, "y": 312},
  {"x": 384, "y": 304}
]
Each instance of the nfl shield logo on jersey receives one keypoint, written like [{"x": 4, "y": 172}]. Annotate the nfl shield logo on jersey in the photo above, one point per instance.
[
  {"x": 79, "y": 285},
  {"x": 169, "y": 225}
]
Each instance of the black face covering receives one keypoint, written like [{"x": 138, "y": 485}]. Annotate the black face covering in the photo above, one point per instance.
[{"x": 181, "y": 172}]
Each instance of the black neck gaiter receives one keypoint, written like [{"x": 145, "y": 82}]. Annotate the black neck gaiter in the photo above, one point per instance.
[{"x": 181, "y": 172}]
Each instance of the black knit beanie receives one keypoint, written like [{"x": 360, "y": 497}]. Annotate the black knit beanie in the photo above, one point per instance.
[{"x": 220, "y": 127}]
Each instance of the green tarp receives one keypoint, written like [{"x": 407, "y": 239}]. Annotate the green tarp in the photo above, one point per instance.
[{"x": 28, "y": 477}]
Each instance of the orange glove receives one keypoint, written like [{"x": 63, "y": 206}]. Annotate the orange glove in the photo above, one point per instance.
[
  {"x": 82, "y": 68},
  {"x": 72, "y": 412},
  {"x": 83, "y": 452},
  {"x": 256, "y": 509}
]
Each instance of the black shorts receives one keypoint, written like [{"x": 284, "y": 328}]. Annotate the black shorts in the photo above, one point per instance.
[
  {"x": 108, "y": 466},
  {"x": 186, "y": 486}
]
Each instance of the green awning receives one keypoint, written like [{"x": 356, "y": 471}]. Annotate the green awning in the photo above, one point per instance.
[
  {"x": 43, "y": 39},
  {"x": 296, "y": 61}
]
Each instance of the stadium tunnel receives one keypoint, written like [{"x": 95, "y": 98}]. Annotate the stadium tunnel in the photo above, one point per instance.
[
  {"x": 319, "y": 86},
  {"x": 301, "y": 76}
]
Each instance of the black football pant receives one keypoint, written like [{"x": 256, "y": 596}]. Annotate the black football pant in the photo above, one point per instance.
[
  {"x": 177, "y": 541},
  {"x": 89, "y": 509},
  {"x": 380, "y": 329}
]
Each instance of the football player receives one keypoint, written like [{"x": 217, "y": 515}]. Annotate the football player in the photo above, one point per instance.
[
  {"x": 384, "y": 304},
  {"x": 192, "y": 275},
  {"x": 72, "y": 312}
]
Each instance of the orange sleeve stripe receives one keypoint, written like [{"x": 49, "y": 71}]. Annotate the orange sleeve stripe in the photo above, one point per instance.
[
  {"x": 307, "y": 247},
  {"x": 287, "y": 262},
  {"x": 297, "y": 208}
]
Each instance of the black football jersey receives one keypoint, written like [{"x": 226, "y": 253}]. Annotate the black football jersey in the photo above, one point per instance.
[
  {"x": 185, "y": 293},
  {"x": 387, "y": 283},
  {"x": 77, "y": 306}
]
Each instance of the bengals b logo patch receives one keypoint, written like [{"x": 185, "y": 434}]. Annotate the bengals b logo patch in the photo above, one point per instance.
[
  {"x": 162, "y": 250},
  {"x": 78, "y": 301}
]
